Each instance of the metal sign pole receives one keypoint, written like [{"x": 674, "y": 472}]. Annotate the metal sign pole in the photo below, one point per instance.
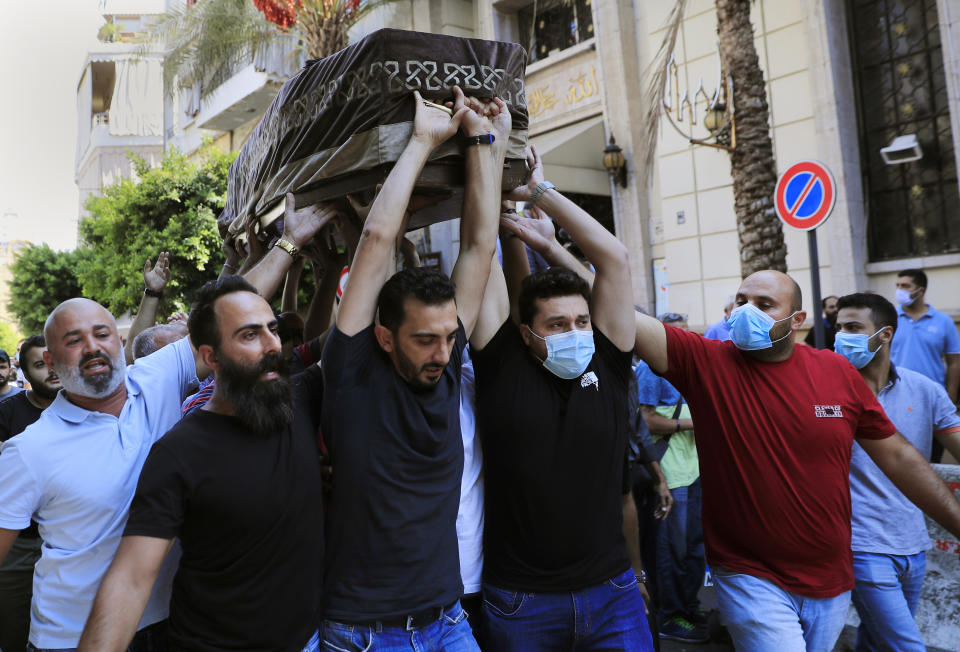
[{"x": 818, "y": 334}]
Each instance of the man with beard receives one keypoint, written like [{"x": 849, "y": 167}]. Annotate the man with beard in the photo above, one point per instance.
[
  {"x": 238, "y": 482},
  {"x": 8, "y": 377},
  {"x": 391, "y": 405},
  {"x": 829, "y": 306},
  {"x": 776, "y": 424},
  {"x": 16, "y": 572},
  {"x": 74, "y": 470}
]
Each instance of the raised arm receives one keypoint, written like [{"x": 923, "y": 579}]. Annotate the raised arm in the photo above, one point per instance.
[
  {"x": 650, "y": 343},
  {"x": 374, "y": 258},
  {"x": 299, "y": 227},
  {"x": 915, "y": 478},
  {"x": 292, "y": 283},
  {"x": 612, "y": 301},
  {"x": 155, "y": 279},
  {"x": 536, "y": 230},
  {"x": 123, "y": 594},
  {"x": 481, "y": 203}
]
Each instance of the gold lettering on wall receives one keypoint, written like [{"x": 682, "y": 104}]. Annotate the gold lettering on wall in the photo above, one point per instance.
[{"x": 540, "y": 101}]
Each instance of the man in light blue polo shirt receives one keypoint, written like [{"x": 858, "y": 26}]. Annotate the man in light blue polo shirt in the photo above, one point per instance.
[
  {"x": 889, "y": 537},
  {"x": 75, "y": 470},
  {"x": 925, "y": 336}
]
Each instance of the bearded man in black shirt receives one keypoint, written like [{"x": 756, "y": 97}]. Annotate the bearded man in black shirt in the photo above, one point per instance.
[
  {"x": 552, "y": 416},
  {"x": 238, "y": 482},
  {"x": 16, "y": 573}
]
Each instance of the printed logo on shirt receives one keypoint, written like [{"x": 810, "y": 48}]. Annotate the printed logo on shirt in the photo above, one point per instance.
[
  {"x": 828, "y": 411},
  {"x": 588, "y": 379}
]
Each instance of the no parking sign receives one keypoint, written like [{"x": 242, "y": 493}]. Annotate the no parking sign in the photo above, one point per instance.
[{"x": 805, "y": 195}]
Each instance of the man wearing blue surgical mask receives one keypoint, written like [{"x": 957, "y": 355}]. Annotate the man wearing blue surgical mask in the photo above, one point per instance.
[
  {"x": 552, "y": 415},
  {"x": 775, "y": 428},
  {"x": 925, "y": 338},
  {"x": 889, "y": 533}
]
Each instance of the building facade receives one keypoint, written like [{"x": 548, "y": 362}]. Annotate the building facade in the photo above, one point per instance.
[
  {"x": 119, "y": 100},
  {"x": 844, "y": 78}
]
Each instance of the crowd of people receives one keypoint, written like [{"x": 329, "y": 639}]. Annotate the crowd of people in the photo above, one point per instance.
[{"x": 497, "y": 460}]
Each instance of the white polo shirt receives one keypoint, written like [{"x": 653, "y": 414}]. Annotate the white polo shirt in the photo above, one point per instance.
[{"x": 75, "y": 473}]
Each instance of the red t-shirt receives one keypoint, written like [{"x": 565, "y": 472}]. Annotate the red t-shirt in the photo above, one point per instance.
[{"x": 774, "y": 441}]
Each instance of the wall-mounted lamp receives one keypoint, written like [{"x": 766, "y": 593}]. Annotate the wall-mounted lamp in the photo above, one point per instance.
[{"x": 615, "y": 163}]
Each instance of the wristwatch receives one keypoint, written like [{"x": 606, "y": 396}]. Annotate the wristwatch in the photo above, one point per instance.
[
  {"x": 642, "y": 577},
  {"x": 482, "y": 139},
  {"x": 288, "y": 246},
  {"x": 153, "y": 293},
  {"x": 541, "y": 188}
]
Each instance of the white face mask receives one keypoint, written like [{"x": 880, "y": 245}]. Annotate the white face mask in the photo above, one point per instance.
[{"x": 905, "y": 297}]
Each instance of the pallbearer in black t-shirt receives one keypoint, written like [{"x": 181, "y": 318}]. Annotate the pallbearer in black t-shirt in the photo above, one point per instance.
[
  {"x": 16, "y": 573},
  {"x": 391, "y": 409},
  {"x": 552, "y": 415},
  {"x": 237, "y": 482}
]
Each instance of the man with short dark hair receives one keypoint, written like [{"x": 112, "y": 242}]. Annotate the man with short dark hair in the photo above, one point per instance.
[
  {"x": 16, "y": 572},
  {"x": 828, "y": 306},
  {"x": 552, "y": 383},
  {"x": 889, "y": 532},
  {"x": 776, "y": 423},
  {"x": 7, "y": 389},
  {"x": 925, "y": 338},
  {"x": 390, "y": 412},
  {"x": 239, "y": 483}
]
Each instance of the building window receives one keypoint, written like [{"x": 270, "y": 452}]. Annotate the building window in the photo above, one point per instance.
[
  {"x": 548, "y": 26},
  {"x": 913, "y": 208}
]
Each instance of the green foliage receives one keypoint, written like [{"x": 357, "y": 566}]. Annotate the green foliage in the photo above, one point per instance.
[
  {"x": 173, "y": 208},
  {"x": 9, "y": 337},
  {"x": 42, "y": 278}
]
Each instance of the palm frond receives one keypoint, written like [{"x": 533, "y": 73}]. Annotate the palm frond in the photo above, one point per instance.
[
  {"x": 205, "y": 43},
  {"x": 656, "y": 75}
]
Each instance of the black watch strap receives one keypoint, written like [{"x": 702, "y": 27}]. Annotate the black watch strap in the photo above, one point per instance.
[
  {"x": 153, "y": 293},
  {"x": 482, "y": 139}
]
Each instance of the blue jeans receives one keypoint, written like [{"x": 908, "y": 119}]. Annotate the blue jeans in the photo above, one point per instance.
[
  {"x": 680, "y": 562},
  {"x": 886, "y": 593},
  {"x": 762, "y": 617},
  {"x": 451, "y": 633},
  {"x": 607, "y": 616}
]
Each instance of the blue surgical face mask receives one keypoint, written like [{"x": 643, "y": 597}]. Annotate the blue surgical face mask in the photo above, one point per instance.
[
  {"x": 750, "y": 328},
  {"x": 904, "y": 297},
  {"x": 569, "y": 353},
  {"x": 855, "y": 348}
]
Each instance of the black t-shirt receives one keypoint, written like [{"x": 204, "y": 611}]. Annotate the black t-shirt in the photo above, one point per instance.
[
  {"x": 829, "y": 336},
  {"x": 397, "y": 457},
  {"x": 16, "y": 413},
  {"x": 249, "y": 514},
  {"x": 553, "y": 453}
]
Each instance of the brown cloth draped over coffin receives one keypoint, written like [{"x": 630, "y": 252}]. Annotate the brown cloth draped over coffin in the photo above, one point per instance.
[{"x": 339, "y": 124}]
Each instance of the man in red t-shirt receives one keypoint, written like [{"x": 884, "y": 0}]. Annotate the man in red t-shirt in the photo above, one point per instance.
[{"x": 775, "y": 427}]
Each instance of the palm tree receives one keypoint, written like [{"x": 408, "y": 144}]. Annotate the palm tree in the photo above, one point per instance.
[
  {"x": 205, "y": 41},
  {"x": 752, "y": 164}
]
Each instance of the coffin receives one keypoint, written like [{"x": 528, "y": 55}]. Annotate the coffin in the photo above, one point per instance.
[{"x": 339, "y": 125}]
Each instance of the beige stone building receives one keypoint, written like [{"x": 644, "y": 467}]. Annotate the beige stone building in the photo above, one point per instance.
[{"x": 844, "y": 78}]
